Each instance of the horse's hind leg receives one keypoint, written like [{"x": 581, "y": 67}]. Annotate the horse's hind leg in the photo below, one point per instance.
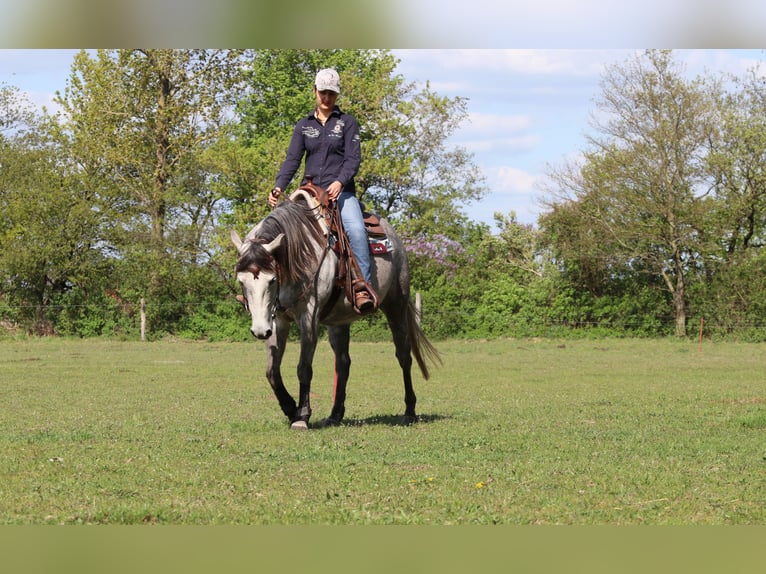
[
  {"x": 339, "y": 337},
  {"x": 397, "y": 321}
]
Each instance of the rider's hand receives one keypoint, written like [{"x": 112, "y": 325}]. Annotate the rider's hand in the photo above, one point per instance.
[
  {"x": 274, "y": 197},
  {"x": 334, "y": 189}
]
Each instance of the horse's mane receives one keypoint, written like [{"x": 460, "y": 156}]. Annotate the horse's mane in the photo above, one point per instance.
[{"x": 297, "y": 256}]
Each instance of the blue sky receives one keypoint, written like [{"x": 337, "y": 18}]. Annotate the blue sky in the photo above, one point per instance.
[{"x": 528, "y": 109}]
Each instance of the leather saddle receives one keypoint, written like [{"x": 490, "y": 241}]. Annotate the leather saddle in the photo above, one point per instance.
[
  {"x": 371, "y": 220},
  {"x": 349, "y": 276}
]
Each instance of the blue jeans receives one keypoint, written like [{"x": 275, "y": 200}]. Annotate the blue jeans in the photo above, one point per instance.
[{"x": 353, "y": 223}]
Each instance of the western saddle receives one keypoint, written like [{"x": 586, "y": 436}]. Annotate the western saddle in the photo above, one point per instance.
[{"x": 358, "y": 291}]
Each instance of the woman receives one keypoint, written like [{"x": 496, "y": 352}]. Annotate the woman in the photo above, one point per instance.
[{"x": 329, "y": 140}]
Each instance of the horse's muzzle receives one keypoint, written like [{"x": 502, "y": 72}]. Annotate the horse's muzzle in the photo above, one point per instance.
[{"x": 261, "y": 335}]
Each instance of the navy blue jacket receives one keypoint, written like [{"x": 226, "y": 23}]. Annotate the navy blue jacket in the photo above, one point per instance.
[{"x": 333, "y": 151}]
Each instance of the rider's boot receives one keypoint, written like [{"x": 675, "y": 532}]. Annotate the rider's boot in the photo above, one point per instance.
[{"x": 363, "y": 299}]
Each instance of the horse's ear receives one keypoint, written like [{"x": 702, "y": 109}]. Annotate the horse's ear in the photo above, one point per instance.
[
  {"x": 276, "y": 242},
  {"x": 235, "y": 238}
]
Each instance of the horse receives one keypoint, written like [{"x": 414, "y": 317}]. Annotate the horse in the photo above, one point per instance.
[{"x": 288, "y": 271}]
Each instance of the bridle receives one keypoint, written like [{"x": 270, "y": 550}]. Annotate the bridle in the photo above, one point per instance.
[{"x": 274, "y": 283}]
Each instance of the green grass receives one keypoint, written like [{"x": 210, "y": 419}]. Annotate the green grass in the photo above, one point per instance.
[{"x": 511, "y": 431}]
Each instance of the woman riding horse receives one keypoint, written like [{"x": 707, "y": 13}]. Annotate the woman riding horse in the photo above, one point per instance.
[
  {"x": 288, "y": 273},
  {"x": 329, "y": 140}
]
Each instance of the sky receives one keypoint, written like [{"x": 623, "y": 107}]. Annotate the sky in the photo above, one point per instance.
[{"x": 528, "y": 109}]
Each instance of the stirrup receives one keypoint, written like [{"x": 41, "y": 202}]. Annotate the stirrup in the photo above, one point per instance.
[
  {"x": 365, "y": 299},
  {"x": 363, "y": 302}
]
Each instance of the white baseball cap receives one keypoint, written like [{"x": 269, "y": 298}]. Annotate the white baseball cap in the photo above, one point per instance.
[{"x": 327, "y": 79}]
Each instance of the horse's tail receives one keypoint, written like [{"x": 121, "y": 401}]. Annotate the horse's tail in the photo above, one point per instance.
[{"x": 422, "y": 349}]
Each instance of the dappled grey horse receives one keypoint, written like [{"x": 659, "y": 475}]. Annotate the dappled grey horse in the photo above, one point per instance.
[{"x": 287, "y": 271}]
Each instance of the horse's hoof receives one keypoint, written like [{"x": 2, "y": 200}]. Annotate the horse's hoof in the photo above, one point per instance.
[
  {"x": 299, "y": 425},
  {"x": 409, "y": 420}
]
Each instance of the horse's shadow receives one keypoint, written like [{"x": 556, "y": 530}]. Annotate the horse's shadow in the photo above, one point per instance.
[{"x": 390, "y": 421}]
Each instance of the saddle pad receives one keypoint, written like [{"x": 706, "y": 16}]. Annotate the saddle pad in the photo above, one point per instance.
[{"x": 380, "y": 245}]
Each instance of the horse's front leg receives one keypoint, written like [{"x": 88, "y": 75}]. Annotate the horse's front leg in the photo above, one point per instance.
[
  {"x": 309, "y": 336},
  {"x": 275, "y": 350}
]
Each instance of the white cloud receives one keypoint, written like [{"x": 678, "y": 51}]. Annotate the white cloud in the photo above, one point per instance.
[
  {"x": 540, "y": 62},
  {"x": 738, "y": 62},
  {"x": 483, "y": 133},
  {"x": 507, "y": 179},
  {"x": 482, "y": 123},
  {"x": 495, "y": 145}
]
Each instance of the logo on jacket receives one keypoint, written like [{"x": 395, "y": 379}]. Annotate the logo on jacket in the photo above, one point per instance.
[{"x": 337, "y": 131}]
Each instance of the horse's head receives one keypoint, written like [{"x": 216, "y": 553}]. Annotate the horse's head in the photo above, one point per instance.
[{"x": 258, "y": 276}]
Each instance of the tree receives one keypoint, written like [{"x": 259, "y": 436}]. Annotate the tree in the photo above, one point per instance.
[
  {"x": 516, "y": 248},
  {"x": 737, "y": 163},
  {"x": 15, "y": 112},
  {"x": 48, "y": 229},
  {"x": 733, "y": 295},
  {"x": 638, "y": 196},
  {"x": 141, "y": 124}
]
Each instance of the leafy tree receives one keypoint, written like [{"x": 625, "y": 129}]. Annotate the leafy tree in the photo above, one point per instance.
[
  {"x": 637, "y": 199},
  {"x": 48, "y": 228},
  {"x": 737, "y": 162},
  {"x": 141, "y": 124},
  {"x": 16, "y": 114},
  {"x": 733, "y": 295}
]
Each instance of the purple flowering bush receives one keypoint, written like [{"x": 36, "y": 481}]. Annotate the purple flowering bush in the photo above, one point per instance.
[{"x": 437, "y": 253}]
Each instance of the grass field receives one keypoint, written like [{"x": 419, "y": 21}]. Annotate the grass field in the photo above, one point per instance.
[{"x": 511, "y": 432}]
